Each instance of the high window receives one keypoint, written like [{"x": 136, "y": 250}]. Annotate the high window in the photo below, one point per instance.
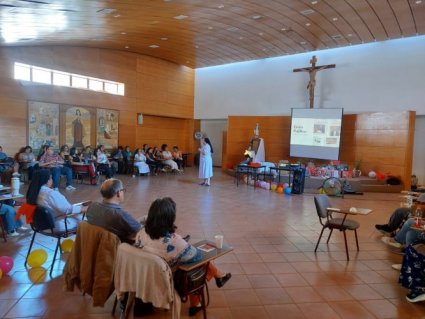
[{"x": 41, "y": 75}]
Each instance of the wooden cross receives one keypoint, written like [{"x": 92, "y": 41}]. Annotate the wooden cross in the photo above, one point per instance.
[{"x": 312, "y": 71}]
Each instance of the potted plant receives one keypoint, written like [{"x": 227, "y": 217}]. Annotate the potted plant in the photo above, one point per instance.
[{"x": 356, "y": 171}]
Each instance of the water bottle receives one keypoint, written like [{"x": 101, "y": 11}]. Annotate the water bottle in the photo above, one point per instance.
[{"x": 409, "y": 201}]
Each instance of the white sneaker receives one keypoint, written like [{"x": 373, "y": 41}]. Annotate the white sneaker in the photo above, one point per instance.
[
  {"x": 70, "y": 188},
  {"x": 390, "y": 241},
  {"x": 14, "y": 234},
  {"x": 396, "y": 266}
]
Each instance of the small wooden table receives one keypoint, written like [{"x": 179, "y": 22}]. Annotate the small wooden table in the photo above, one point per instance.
[
  {"x": 206, "y": 256},
  {"x": 249, "y": 171}
]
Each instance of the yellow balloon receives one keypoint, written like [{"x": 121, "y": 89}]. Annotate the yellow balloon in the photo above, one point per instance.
[
  {"x": 37, "y": 258},
  {"x": 37, "y": 275},
  {"x": 67, "y": 245},
  {"x": 1, "y": 273}
]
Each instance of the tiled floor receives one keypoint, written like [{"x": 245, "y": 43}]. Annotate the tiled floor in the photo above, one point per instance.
[{"x": 276, "y": 274}]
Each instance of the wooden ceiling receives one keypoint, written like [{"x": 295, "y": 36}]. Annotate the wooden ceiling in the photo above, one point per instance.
[{"x": 209, "y": 32}]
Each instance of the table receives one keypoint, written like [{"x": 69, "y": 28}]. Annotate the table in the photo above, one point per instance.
[
  {"x": 206, "y": 256},
  {"x": 287, "y": 168},
  {"x": 248, "y": 170}
]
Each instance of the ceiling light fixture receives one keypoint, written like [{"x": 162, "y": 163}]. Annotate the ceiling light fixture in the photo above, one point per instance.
[
  {"x": 232, "y": 29},
  {"x": 283, "y": 29},
  {"x": 181, "y": 17},
  {"x": 303, "y": 42},
  {"x": 418, "y": 1},
  {"x": 164, "y": 39},
  {"x": 221, "y": 6},
  {"x": 314, "y": 2},
  {"x": 261, "y": 33},
  {"x": 210, "y": 28},
  {"x": 256, "y": 17},
  {"x": 308, "y": 24},
  {"x": 240, "y": 38},
  {"x": 154, "y": 46},
  {"x": 117, "y": 16},
  {"x": 307, "y": 12},
  {"x": 126, "y": 47},
  {"x": 349, "y": 35},
  {"x": 123, "y": 33},
  {"x": 335, "y": 19}
]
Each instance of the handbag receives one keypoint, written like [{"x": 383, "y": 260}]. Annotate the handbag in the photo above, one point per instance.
[{"x": 186, "y": 282}]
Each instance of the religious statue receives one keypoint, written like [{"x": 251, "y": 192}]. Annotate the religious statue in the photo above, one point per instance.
[
  {"x": 77, "y": 130},
  {"x": 257, "y": 131},
  {"x": 312, "y": 73}
]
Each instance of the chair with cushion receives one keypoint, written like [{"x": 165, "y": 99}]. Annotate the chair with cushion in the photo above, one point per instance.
[
  {"x": 325, "y": 211},
  {"x": 45, "y": 224}
]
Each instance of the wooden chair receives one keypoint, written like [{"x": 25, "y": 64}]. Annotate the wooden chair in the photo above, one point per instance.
[{"x": 324, "y": 211}]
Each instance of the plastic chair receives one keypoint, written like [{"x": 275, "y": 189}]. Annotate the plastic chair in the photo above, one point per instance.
[
  {"x": 45, "y": 224},
  {"x": 324, "y": 211}
]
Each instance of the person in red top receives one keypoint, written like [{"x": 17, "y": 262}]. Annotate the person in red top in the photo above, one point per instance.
[{"x": 54, "y": 162}]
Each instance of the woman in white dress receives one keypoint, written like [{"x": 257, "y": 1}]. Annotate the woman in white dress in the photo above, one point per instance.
[
  {"x": 140, "y": 162},
  {"x": 168, "y": 158},
  {"x": 205, "y": 162}
]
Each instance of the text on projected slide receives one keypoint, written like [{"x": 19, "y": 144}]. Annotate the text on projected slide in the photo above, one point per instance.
[{"x": 316, "y": 132}]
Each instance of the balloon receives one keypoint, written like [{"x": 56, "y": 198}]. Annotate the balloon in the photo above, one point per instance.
[
  {"x": 274, "y": 186},
  {"x": 1, "y": 273},
  {"x": 285, "y": 185},
  {"x": 37, "y": 258},
  {"x": 372, "y": 174},
  {"x": 67, "y": 245},
  {"x": 288, "y": 190},
  {"x": 280, "y": 185},
  {"x": 257, "y": 183},
  {"x": 267, "y": 185},
  {"x": 6, "y": 264},
  {"x": 37, "y": 275},
  {"x": 279, "y": 190},
  {"x": 263, "y": 184}
]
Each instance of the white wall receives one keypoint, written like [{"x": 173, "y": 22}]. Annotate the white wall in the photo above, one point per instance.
[
  {"x": 419, "y": 150},
  {"x": 214, "y": 130},
  {"x": 382, "y": 76}
]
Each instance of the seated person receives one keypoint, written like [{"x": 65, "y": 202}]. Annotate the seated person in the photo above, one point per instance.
[
  {"x": 7, "y": 213},
  {"x": 41, "y": 151},
  {"x": 159, "y": 237},
  {"x": 87, "y": 155},
  {"x": 40, "y": 193},
  {"x": 140, "y": 162},
  {"x": 54, "y": 163},
  {"x": 412, "y": 274},
  {"x": 110, "y": 215},
  {"x": 64, "y": 153},
  {"x": 128, "y": 155},
  {"x": 397, "y": 219},
  {"x": 178, "y": 157},
  {"x": 103, "y": 164},
  {"x": 118, "y": 157},
  {"x": 27, "y": 161},
  {"x": 407, "y": 235},
  {"x": 168, "y": 158},
  {"x": 8, "y": 164}
]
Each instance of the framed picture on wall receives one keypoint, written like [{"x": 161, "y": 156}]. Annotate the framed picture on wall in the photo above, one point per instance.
[
  {"x": 43, "y": 124},
  {"x": 107, "y": 128}
]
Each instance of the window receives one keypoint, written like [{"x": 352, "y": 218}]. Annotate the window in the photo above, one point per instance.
[{"x": 37, "y": 74}]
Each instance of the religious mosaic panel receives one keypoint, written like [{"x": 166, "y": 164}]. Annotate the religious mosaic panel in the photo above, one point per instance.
[
  {"x": 43, "y": 124},
  {"x": 107, "y": 128},
  {"x": 77, "y": 126}
]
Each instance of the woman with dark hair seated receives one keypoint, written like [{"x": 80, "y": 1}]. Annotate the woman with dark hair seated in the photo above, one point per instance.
[
  {"x": 158, "y": 237},
  {"x": 40, "y": 193}
]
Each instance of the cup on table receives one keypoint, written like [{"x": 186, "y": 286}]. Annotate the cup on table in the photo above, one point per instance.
[{"x": 219, "y": 241}]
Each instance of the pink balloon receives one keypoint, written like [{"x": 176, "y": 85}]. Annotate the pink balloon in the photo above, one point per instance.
[{"x": 6, "y": 264}]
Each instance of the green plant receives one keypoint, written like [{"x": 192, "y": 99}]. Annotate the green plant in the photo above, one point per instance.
[{"x": 357, "y": 165}]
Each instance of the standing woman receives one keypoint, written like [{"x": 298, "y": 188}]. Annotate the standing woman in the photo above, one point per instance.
[{"x": 205, "y": 161}]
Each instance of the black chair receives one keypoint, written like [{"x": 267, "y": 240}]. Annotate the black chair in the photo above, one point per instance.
[
  {"x": 324, "y": 211},
  {"x": 45, "y": 224}
]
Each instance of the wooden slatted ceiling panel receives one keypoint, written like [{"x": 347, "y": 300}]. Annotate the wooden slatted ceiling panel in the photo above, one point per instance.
[{"x": 214, "y": 32}]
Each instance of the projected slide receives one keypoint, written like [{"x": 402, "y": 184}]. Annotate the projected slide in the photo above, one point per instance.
[{"x": 316, "y": 133}]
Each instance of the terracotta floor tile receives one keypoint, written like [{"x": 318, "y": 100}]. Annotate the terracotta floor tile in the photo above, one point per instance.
[
  {"x": 333, "y": 293},
  {"x": 381, "y": 308},
  {"x": 263, "y": 281},
  {"x": 27, "y": 308},
  {"x": 303, "y": 294},
  {"x": 289, "y": 311},
  {"x": 241, "y": 297},
  {"x": 351, "y": 310},
  {"x": 362, "y": 292},
  {"x": 291, "y": 280},
  {"x": 255, "y": 268},
  {"x": 318, "y": 310},
  {"x": 273, "y": 296},
  {"x": 273, "y": 238}
]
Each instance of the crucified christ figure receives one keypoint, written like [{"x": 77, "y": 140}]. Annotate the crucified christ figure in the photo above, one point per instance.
[{"x": 312, "y": 73}]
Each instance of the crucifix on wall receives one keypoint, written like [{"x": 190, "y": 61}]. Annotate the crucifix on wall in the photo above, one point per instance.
[{"x": 312, "y": 72}]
